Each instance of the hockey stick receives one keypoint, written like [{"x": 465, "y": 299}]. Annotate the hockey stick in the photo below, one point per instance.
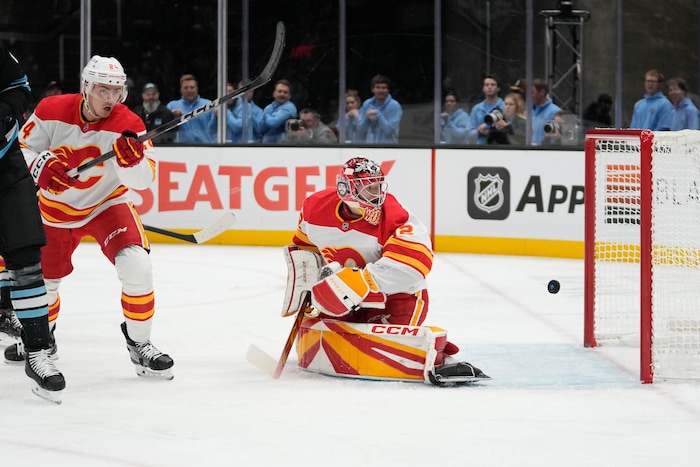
[
  {"x": 260, "y": 80},
  {"x": 265, "y": 362},
  {"x": 203, "y": 235}
]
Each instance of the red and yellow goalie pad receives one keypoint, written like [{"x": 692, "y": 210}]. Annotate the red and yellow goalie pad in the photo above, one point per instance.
[{"x": 369, "y": 350}]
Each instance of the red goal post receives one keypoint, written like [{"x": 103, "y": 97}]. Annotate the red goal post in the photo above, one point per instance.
[{"x": 642, "y": 247}]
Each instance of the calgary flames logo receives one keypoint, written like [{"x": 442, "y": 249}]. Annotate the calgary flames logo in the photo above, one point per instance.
[
  {"x": 75, "y": 157},
  {"x": 347, "y": 257}
]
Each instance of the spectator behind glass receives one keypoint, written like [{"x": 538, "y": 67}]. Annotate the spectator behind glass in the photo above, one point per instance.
[
  {"x": 52, "y": 89},
  {"x": 563, "y": 129},
  {"x": 512, "y": 127},
  {"x": 543, "y": 109},
  {"x": 352, "y": 107},
  {"x": 685, "y": 114},
  {"x": 597, "y": 114},
  {"x": 454, "y": 121},
  {"x": 653, "y": 111},
  {"x": 154, "y": 113},
  {"x": 197, "y": 130},
  {"x": 242, "y": 118},
  {"x": 520, "y": 87},
  {"x": 275, "y": 115},
  {"x": 248, "y": 115},
  {"x": 309, "y": 129},
  {"x": 479, "y": 129},
  {"x": 380, "y": 116}
]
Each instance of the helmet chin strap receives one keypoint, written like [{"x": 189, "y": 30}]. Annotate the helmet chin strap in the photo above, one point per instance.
[{"x": 88, "y": 108}]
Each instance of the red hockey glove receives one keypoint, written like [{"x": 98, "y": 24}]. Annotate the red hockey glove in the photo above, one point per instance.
[
  {"x": 50, "y": 173},
  {"x": 128, "y": 149}
]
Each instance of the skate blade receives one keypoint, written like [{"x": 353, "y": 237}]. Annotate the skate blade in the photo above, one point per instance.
[
  {"x": 438, "y": 380},
  {"x": 51, "y": 396},
  {"x": 154, "y": 374}
]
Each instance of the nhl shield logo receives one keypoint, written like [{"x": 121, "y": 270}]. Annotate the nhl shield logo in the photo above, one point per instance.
[{"x": 488, "y": 193}]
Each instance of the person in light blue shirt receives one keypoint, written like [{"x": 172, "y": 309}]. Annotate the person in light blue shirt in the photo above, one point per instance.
[
  {"x": 543, "y": 109},
  {"x": 685, "y": 114},
  {"x": 380, "y": 116},
  {"x": 197, "y": 130},
  {"x": 454, "y": 121},
  {"x": 479, "y": 129},
  {"x": 273, "y": 124},
  {"x": 242, "y": 120},
  {"x": 653, "y": 111},
  {"x": 353, "y": 102}
]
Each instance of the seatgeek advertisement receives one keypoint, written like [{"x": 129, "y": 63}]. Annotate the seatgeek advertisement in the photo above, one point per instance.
[{"x": 495, "y": 201}]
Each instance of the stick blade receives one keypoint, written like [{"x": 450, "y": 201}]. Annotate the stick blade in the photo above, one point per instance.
[
  {"x": 262, "y": 360},
  {"x": 217, "y": 228}
]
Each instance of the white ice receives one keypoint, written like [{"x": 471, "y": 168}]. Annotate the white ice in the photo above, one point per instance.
[{"x": 550, "y": 403}]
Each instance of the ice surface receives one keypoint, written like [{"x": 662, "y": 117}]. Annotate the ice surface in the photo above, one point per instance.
[{"x": 550, "y": 403}]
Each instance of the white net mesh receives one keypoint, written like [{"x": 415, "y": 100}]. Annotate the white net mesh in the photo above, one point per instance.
[{"x": 675, "y": 267}]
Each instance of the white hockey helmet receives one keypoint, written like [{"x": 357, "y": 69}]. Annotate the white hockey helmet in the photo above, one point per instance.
[
  {"x": 361, "y": 183},
  {"x": 104, "y": 70}
]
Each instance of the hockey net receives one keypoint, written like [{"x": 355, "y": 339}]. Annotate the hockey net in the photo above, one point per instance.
[{"x": 642, "y": 247}]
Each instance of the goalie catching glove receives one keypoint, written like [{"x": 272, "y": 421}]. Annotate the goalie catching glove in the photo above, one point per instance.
[
  {"x": 345, "y": 291},
  {"x": 50, "y": 173},
  {"x": 128, "y": 149}
]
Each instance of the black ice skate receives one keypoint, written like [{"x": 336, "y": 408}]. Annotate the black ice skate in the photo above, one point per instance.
[
  {"x": 148, "y": 360},
  {"x": 456, "y": 373},
  {"x": 16, "y": 353},
  {"x": 47, "y": 381},
  {"x": 10, "y": 324}
]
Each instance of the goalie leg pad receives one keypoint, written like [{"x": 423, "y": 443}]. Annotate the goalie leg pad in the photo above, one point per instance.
[
  {"x": 369, "y": 350},
  {"x": 303, "y": 269}
]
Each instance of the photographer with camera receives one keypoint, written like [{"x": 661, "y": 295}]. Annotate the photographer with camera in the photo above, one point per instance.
[
  {"x": 309, "y": 129},
  {"x": 509, "y": 127},
  {"x": 543, "y": 109},
  {"x": 562, "y": 129},
  {"x": 480, "y": 128}
]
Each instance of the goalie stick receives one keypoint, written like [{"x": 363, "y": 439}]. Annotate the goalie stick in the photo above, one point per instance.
[
  {"x": 203, "y": 235},
  {"x": 260, "y": 80},
  {"x": 265, "y": 362}
]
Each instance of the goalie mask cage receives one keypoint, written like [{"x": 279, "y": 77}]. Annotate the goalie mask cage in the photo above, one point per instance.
[{"x": 642, "y": 247}]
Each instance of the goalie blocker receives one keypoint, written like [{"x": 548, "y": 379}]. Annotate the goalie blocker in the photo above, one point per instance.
[{"x": 362, "y": 350}]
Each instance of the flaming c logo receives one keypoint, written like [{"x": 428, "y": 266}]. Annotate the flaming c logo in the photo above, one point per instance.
[
  {"x": 347, "y": 257},
  {"x": 75, "y": 157}
]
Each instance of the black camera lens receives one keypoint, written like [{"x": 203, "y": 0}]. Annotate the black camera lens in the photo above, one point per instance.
[{"x": 551, "y": 127}]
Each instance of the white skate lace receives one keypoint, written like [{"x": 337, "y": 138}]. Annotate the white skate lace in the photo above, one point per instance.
[
  {"x": 148, "y": 350},
  {"x": 41, "y": 364}
]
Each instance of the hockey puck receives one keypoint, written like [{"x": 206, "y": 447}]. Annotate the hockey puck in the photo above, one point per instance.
[{"x": 553, "y": 286}]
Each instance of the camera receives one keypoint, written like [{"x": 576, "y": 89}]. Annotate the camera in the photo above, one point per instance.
[
  {"x": 295, "y": 125},
  {"x": 493, "y": 117},
  {"x": 552, "y": 127}
]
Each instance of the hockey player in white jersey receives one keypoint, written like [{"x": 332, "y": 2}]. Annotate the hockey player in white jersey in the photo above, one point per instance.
[
  {"x": 358, "y": 268},
  {"x": 64, "y": 132}
]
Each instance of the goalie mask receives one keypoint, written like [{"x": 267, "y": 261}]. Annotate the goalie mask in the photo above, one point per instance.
[
  {"x": 361, "y": 184},
  {"x": 104, "y": 70}
]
